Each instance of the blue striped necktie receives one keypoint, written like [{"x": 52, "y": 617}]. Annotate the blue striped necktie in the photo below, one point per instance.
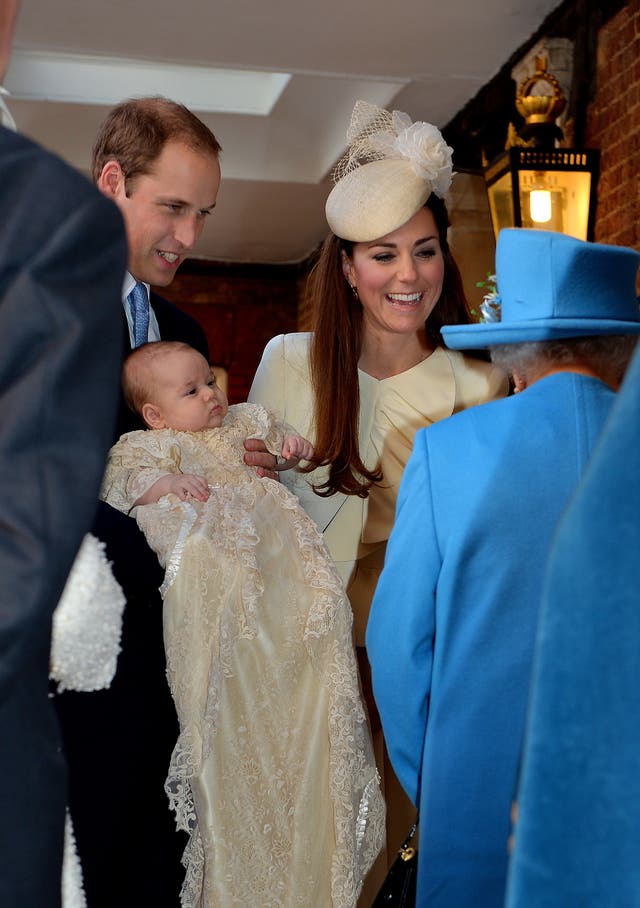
[{"x": 139, "y": 306}]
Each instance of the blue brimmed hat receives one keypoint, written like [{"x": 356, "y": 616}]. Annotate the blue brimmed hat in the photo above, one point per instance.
[{"x": 552, "y": 286}]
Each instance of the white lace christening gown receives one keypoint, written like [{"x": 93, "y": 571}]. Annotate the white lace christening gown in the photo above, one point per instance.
[{"x": 273, "y": 774}]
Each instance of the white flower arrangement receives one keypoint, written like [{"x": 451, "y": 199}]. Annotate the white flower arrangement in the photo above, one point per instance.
[
  {"x": 490, "y": 305},
  {"x": 423, "y": 146},
  {"x": 378, "y": 134}
]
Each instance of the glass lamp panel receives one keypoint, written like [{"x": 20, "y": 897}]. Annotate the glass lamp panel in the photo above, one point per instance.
[
  {"x": 501, "y": 203},
  {"x": 569, "y": 193},
  {"x": 577, "y": 192}
]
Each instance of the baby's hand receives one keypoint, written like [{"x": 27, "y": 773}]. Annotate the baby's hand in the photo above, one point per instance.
[
  {"x": 186, "y": 485},
  {"x": 181, "y": 484},
  {"x": 295, "y": 446}
]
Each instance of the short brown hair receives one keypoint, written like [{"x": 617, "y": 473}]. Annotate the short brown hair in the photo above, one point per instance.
[
  {"x": 135, "y": 132},
  {"x": 137, "y": 372}
]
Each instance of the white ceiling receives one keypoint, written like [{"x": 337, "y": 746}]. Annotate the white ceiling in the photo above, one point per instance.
[{"x": 426, "y": 57}]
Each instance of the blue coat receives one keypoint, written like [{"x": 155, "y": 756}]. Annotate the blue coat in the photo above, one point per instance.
[
  {"x": 578, "y": 833},
  {"x": 452, "y": 626}
]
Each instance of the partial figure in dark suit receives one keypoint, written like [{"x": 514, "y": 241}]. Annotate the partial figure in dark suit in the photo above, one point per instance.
[
  {"x": 454, "y": 617},
  {"x": 62, "y": 260},
  {"x": 159, "y": 163}
]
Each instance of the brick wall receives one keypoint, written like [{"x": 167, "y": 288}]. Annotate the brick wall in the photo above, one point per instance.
[
  {"x": 613, "y": 126},
  {"x": 240, "y": 308}
]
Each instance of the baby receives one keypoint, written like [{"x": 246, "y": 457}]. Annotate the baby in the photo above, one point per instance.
[{"x": 273, "y": 774}]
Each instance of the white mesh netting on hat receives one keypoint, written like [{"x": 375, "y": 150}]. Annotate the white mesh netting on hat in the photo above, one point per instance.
[{"x": 376, "y": 134}]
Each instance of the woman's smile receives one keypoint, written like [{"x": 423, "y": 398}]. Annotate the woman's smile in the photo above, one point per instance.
[
  {"x": 405, "y": 300},
  {"x": 399, "y": 276}
]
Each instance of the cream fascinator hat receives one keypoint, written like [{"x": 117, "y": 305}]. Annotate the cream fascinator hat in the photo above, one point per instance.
[{"x": 387, "y": 174}]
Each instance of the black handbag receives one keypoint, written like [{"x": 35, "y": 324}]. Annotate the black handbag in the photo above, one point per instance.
[{"x": 399, "y": 887}]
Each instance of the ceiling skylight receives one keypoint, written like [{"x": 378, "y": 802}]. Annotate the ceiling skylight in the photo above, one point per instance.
[{"x": 74, "y": 78}]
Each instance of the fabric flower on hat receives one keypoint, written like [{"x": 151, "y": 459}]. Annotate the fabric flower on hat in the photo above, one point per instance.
[
  {"x": 397, "y": 137},
  {"x": 419, "y": 143},
  {"x": 430, "y": 156}
]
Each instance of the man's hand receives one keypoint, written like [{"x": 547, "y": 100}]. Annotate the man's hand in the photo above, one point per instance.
[{"x": 256, "y": 455}]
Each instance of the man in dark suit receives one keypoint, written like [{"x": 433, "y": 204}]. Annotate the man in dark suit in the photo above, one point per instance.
[
  {"x": 159, "y": 164},
  {"x": 62, "y": 261}
]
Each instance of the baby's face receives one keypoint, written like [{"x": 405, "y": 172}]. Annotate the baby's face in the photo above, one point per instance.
[{"x": 187, "y": 395}]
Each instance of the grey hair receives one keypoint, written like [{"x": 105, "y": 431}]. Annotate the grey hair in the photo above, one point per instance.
[{"x": 606, "y": 355}]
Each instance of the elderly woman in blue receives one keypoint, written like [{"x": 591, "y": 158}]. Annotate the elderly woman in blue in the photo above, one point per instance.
[{"x": 453, "y": 621}]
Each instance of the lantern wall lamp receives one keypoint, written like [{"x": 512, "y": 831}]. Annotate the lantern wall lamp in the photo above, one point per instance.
[{"x": 535, "y": 183}]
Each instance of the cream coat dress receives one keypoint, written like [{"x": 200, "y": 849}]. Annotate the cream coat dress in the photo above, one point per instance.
[
  {"x": 391, "y": 412},
  {"x": 355, "y": 529},
  {"x": 273, "y": 774}
]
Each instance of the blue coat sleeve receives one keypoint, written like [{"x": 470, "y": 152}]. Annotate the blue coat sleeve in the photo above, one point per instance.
[{"x": 401, "y": 627}]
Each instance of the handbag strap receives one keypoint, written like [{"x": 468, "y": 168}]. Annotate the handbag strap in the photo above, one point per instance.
[{"x": 405, "y": 845}]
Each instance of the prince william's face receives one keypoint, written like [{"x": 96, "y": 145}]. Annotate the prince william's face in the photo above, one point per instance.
[{"x": 164, "y": 210}]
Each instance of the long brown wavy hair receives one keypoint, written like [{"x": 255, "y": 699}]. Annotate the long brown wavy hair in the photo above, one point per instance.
[{"x": 335, "y": 351}]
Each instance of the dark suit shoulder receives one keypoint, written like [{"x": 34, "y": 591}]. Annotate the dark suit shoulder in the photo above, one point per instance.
[
  {"x": 28, "y": 169},
  {"x": 41, "y": 195}
]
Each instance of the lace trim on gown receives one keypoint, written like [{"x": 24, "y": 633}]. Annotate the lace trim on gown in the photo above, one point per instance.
[
  {"x": 190, "y": 517},
  {"x": 255, "y": 808},
  {"x": 358, "y": 809}
]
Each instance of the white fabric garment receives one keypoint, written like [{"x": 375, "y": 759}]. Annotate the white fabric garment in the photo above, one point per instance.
[
  {"x": 273, "y": 774},
  {"x": 6, "y": 117},
  {"x": 85, "y": 642},
  {"x": 391, "y": 412}
]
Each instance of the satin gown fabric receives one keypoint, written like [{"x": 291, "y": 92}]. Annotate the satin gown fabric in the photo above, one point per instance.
[{"x": 273, "y": 773}]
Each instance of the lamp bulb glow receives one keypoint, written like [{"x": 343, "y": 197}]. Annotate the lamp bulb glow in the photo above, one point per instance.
[{"x": 540, "y": 205}]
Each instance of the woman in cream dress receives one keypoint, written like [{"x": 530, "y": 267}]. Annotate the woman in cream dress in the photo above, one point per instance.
[
  {"x": 391, "y": 411},
  {"x": 375, "y": 370}
]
